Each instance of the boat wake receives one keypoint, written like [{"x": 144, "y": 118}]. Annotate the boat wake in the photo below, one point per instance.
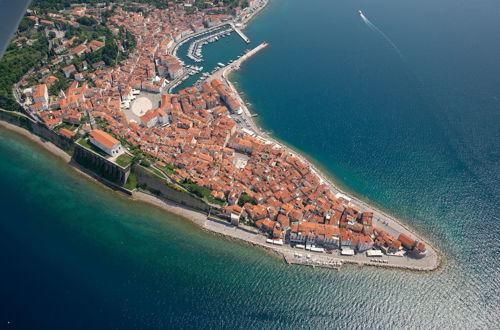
[{"x": 376, "y": 29}]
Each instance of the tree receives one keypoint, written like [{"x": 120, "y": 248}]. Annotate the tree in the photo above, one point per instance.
[
  {"x": 244, "y": 198},
  {"x": 52, "y": 35},
  {"x": 15, "y": 63},
  {"x": 88, "y": 21},
  {"x": 26, "y": 24}
]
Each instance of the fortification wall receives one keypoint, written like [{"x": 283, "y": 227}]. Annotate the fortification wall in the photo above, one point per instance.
[
  {"x": 38, "y": 129},
  {"x": 164, "y": 189},
  {"x": 103, "y": 170},
  {"x": 100, "y": 165}
]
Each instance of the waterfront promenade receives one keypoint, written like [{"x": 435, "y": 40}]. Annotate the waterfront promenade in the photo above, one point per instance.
[
  {"x": 245, "y": 123},
  {"x": 381, "y": 219},
  {"x": 323, "y": 260}
]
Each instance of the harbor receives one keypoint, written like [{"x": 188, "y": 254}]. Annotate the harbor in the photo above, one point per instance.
[
  {"x": 208, "y": 36},
  {"x": 79, "y": 255},
  {"x": 223, "y": 71},
  {"x": 194, "y": 52},
  {"x": 195, "y": 48},
  {"x": 323, "y": 258}
]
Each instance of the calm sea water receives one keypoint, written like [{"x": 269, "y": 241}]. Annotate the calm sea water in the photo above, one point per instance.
[{"x": 417, "y": 134}]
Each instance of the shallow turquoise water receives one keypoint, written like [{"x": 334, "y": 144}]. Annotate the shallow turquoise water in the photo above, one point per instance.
[{"x": 417, "y": 135}]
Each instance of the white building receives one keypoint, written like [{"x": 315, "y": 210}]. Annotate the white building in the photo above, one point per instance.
[
  {"x": 149, "y": 119},
  {"x": 40, "y": 94},
  {"x": 105, "y": 142},
  {"x": 154, "y": 117},
  {"x": 162, "y": 116},
  {"x": 175, "y": 71}
]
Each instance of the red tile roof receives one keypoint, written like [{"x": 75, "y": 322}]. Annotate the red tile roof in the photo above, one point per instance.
[{"x": 103, "y": 138}]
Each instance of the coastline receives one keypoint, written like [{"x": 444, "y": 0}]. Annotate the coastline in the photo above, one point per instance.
[
  {"x": 196, "y": 217},
  {"x": 138, "y": 196},
  {"x": 223, "y": 229},
  {"x": 392, "y": 223},
  {"x": 414, "y": 138},
  {"x": 434, "y": 257},
  {"x": 49, "y": 146},
  {"x": 193, "y": 216}
]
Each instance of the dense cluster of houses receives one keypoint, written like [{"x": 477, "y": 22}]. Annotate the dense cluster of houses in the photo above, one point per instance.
[{"x": 193, "y": 130}]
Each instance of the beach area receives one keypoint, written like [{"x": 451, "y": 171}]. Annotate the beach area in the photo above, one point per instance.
[{"x": 431, "y": 262}]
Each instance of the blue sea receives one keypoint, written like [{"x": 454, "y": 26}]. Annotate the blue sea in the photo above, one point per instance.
[{"x": 402, "y": 110}]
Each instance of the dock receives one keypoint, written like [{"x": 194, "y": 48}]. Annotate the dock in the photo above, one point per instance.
[
  {"x": 240, "y": 33},
  {"x": 236, "y": 64},
  {"x": 223, "y": 72}
]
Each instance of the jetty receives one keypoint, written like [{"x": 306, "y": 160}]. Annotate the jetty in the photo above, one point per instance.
[
  {"x": 223, "y": 72},
  {"x": 240, "y": 33},
  {"x": 236, "y": 64}
]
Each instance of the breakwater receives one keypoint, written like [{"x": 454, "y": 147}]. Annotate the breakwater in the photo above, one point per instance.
[
  {"x": 159, "y": 271},
  {"x": 224, "y": 72}
]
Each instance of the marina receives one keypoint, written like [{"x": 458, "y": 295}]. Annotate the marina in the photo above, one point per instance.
[
  {"x": 194, "y": 52},
  {"x": 130, "y": 265},
  {"x": 196, "y": 47},
  {"x": 221, "y": 70}
]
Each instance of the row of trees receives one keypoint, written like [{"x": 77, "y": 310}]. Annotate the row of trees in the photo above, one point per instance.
[{"x": 44, "y": 6}]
